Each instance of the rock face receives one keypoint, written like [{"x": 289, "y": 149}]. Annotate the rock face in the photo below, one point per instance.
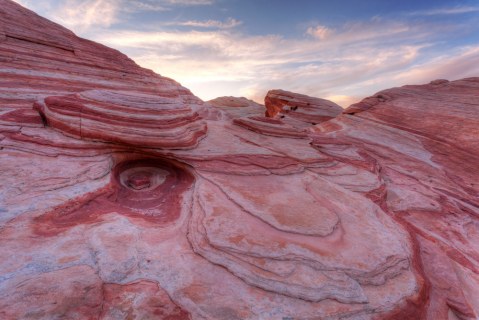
[
  {"x": 280, "y": 103},
  {"x": 125, "y": 118},
  {"x": 124, "y": 196},
  {"x": 234, "y": 107},
  {"x": 289, "y": 114}
]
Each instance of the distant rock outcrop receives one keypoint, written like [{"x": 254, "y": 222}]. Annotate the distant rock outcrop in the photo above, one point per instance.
[
  {"x": 300, "y": 107},
  {"x": 124, "y": 196},
  {"x": 287, "y": 114},
  {"x": 237, "y": 107}
]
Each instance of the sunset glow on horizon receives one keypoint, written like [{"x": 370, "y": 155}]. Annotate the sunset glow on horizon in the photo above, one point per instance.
[{"x": 341, "y": 50}]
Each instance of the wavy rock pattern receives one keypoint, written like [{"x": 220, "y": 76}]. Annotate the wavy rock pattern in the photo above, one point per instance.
[
  {"x": 126, "y": 118},
  {"x": 124, "y": 196}
]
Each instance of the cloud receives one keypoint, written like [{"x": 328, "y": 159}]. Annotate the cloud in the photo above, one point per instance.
[
  {"x": 344, "y": 63},
  {"x": 190, "y": 2},
  {"x": 227, "y": 24},
  {"x": 446, "y": 11},
  {"x": 161, "y": 5},
  {"x": 320, "y": 32},
  {"x": 463, "y": 62},
  {"x": 357, "y": 59},
  {"x": 81, "y": 15},
  {"x": 138, "y": 5},
  {"x": 78, "y": 15}
]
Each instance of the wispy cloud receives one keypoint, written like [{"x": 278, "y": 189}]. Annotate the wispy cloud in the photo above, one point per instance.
[
  {"x": 354, "y": 60},
  {"x": 319, "y": 32},
  {"x": 78, "y": 15},
  {"x": 462, "y": 62},
  {"x": 163, "y": 5},
  {"x": 342, "y": 63},
  {"x": 191, "y": 2},
  {"x": 446, "y": 11},
  {"x": 227, "y": 24},
  {"x": 81, "y": 15},
  {"x": 139, "y": 5}
]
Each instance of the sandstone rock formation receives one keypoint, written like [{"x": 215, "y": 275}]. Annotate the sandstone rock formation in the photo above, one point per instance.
[
  {"x": 237, "y": 107},
  {"x": 287, "y": 114},
  {"x": 126, "y": 118},
  {"x": 124, "y": 196},
  {"x": 299, "y": 107}
]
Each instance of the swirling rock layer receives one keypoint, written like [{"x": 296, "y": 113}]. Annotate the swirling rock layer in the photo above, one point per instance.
[
  {"x": 117, "y": 203},
  {"x": 127, "y": 118}
]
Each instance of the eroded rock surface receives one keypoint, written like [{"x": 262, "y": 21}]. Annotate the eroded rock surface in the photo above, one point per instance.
[
  {"x": 289, "y": 114},
  {"x": 124, "y": 196},
  {"x": 300, "y": 107},
  {"x": 126, "y": 118}
]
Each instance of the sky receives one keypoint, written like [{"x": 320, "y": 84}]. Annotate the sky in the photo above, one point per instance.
[{"x": 342, "y": 50}]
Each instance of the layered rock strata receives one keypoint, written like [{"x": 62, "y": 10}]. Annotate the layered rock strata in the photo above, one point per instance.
[
  {"x": 126, "y": 118},
  {"x": 300, "y": 107},
  {"x": 125, "y": 196},
  {"x": 287, "y": 114}
]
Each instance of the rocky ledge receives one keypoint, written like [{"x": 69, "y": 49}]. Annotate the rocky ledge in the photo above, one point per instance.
[{"x": 124, "y": 196}]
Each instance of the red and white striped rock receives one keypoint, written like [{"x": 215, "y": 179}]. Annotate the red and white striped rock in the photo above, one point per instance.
[
  {"x": 290, "y": 114},
  {"x": 300, "y": 107},
  {"x": 421, "y": 142},
  {"x": 250, "y": 115},
  {"x": 271, "y": 127},
  {"x": 236, "y": 107},
  {"x": 124, "y": 117},
  {"x": 370, "y": 215}
]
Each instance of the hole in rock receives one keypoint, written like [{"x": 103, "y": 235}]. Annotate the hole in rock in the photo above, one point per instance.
[
  {"x": 149, "y": 183},
  {"x": 143, "y": 178},
  {"x": 148, "y": 189}
]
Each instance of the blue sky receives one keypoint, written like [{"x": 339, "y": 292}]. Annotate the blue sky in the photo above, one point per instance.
[{"x": 341, "y": 50}]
